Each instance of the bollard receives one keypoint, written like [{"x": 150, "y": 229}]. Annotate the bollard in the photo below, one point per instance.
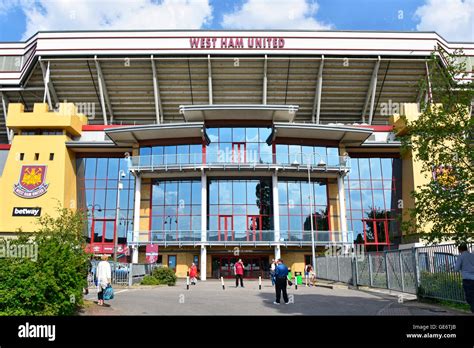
[
  {"x": 260, "y": 283},
  {"x": 222, "y": 282},
  {"x": 296, "y": 283},
  {"x": 187, "y": 282}
]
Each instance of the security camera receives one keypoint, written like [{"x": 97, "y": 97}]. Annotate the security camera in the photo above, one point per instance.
[{"x": 123, "y": 175}]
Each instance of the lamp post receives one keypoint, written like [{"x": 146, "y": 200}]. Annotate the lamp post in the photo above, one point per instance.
[
  {"x": 321, "y": 163},
  {"x": 117, "y": 215}
]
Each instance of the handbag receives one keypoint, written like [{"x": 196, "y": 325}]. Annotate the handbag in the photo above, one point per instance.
[{"x": 109, "y": 293}]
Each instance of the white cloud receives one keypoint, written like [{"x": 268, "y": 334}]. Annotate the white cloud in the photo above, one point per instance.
[
  {"x": 113, "y": 14},
  {"x": 274, "y": 14},
  {"x": 452, "y": 19}
]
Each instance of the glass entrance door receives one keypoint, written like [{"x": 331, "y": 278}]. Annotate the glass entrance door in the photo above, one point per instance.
[
  {"x": 104, "y": 234},
  {"x": 226, "y": 228},
  {"x": 254, "y": 266},
  {"x": 254, "y": 228}
]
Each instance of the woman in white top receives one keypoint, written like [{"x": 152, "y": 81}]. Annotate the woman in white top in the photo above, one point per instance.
[{"x": 104, "y": 275}]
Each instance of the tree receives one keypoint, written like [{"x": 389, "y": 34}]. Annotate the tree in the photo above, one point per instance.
[
  {"x": 51, "y": 282},
  {"x": 441, "y": 139}
]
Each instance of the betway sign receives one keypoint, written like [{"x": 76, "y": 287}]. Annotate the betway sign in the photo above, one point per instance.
[{"x": 237, "y": 42}]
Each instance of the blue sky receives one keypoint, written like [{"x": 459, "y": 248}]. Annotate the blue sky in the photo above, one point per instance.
[{"x": 453, "y": 19}]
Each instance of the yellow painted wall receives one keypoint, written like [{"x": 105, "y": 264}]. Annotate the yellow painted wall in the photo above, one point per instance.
[
  {"x": 334, "y": 205},
  {"x": 294, "y": 261},
  {"x": 60, "y": 172},
  {"x": 145, "y": 208}
]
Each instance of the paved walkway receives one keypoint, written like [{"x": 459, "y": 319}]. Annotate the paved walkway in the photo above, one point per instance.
[{"x": 208, "y": 298}]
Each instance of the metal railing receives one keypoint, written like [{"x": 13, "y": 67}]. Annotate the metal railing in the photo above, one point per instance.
[
  {"x": 245, "y": 158},
  {"x": 426, "y": 271},
  {"x": 179, "y": 237}
]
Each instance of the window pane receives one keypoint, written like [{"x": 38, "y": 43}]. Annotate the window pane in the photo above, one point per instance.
[
  {"x": 101, "y": 168},
  {"x": 238, "y": 134},
  {"x": 295, "y": 154},
  {"x": 264, "y": 134},
  {"x": 171, "y": 193},
  {"x": 225, "y": 135},
  {"x": 282, "y": 153},
  {"x": 376, "y": 171},
  {"x": 282, "y": 193},
  {"x": 364, "y": 168},
  {"x": 239, "y": 188},
  {"x": 113, "y": 168},
  {"x": 252, "y": 135},
  {"x": 90, "y": 167},
  {"x": 213, "y": 134}
]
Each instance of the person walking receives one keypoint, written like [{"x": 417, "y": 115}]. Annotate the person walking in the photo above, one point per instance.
[
  {"x": 104, "y": 276},
  {"x": 272, "y": 271},
  {"x": 239, "y": 273},
  {"x": 308, "y": 270},
  {"x": 465, "y": 265},
  {"x": 281, "y": 279},
  {"x": 193, "y": 273}
]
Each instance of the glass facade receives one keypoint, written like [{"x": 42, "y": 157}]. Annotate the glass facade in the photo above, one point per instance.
[
  {"x": 373, "y": 189},
  {"x": 97, "y": 181},
  {"x": 295, "y": 209},
  {"x": 305, "y": 154},
  {"x": 171, "y": 154},
  {"x": 176, "y": 210},
  {"x": 240, "y": 210}
]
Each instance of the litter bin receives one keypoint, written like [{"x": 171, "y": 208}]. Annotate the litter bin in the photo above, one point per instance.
[{"x": 299, "y": 278}]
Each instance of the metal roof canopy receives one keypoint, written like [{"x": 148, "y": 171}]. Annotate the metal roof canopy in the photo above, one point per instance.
[
  {"x": 248, "y": 112},
  {"x": 340, "y": 133},
  {"x": 135, "y": 134}
]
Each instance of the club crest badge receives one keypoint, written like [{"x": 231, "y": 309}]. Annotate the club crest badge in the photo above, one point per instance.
[{"x": 32, "y": 182}]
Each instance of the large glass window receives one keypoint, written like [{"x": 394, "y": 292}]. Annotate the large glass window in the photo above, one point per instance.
[
  {"x": 97, "y": 182},
  {"x": 304, "y": 154},
  {"x": 238, "y": 145},
  {"x": 171, "y": 154},
  {"x": 296, "y": 199},
  {"x": 176, "y": 210},
  {"x": 240, "y": 210},
  {"x": 373, "y": 188}
]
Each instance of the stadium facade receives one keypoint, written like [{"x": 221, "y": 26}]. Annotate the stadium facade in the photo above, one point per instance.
[{"x": 207, "y": 146}]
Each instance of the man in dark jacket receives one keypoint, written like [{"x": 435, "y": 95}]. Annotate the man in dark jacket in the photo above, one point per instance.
[{"x": 281, "y": 279}]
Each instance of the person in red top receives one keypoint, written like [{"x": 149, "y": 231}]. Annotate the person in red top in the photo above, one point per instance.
[
  {"x": 193, "y": 273},
  {"x": 239, "y": 273}
]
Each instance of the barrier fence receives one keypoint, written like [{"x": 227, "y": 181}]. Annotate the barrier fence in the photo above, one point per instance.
[{"x": 425, "y": 271}]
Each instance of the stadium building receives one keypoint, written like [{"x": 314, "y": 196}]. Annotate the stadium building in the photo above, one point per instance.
[{"x": 207, "y": 146}]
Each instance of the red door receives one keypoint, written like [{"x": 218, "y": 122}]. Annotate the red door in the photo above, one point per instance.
[
  {"x": 226, "y": 228},
  {"x": 254, "y": 228},
  {"x": 104, "y": 232},
  {"x": 239, "y": 153}
]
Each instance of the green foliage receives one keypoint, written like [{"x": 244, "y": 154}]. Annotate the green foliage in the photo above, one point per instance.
[
  {"x": 442, "y": 139},
  {"x": 53, "y": 284},
  {"x": 441, "y": 285},
  {"x": 164, "y": 275},
  {"x": 149, "y": 280}
]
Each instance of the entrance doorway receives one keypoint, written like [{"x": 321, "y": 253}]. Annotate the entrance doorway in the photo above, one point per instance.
[
  {"x": 255, "y": 266},
  {"x": 254, "y": 228},
  {"x": 226, "y": 228}
]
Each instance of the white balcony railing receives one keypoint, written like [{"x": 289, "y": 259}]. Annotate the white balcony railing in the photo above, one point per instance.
[
  {"x": 161, "y": 237},
  {"x": 241, "y": 159}
]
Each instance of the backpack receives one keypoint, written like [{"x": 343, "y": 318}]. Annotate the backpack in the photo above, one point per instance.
[{"x": 109, "y": 293}]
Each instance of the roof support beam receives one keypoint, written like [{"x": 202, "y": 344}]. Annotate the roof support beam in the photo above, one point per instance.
[
  {"x": 104, "y": 96},
  {"x": 49, "y": 91},
  {"x": 265, "y": 81},
  {"x": 317, "y": 94},
  {"x": 429, "y": 92},
  {"x": 209, "y": 78},
  {"x": 156, "y": 93},
  {"x": 5, "y": 109},
  {"x": 371, "y": 93}
]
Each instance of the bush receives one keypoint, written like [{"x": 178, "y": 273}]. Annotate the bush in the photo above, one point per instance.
[
  {"x": 164, "y": 275},
  {"x": 149, "y": 280},
  {"x": 52, "y": 282}
]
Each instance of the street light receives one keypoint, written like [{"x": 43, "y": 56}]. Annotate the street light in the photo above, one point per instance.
[
  {"x": 122, "y": 175},
  {"x": 321, "y": 163}
]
